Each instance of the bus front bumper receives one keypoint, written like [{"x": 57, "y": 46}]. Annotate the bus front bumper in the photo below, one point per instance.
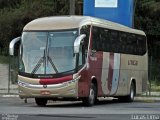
[{"x": 67, "y": 89}]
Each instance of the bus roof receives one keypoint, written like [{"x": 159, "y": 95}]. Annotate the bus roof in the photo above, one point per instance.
[{"x": 71, "y": 22}]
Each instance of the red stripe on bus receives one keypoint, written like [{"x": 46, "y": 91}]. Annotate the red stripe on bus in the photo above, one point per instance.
[
  {"x": 55, "y": 80},
  {"x": 110, "y": 73}
]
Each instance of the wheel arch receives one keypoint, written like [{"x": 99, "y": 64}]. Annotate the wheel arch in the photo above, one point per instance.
[{"x": 94, "y": 81}]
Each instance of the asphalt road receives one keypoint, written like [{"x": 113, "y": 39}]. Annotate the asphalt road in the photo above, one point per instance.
[{"x": 13, "y": 108}]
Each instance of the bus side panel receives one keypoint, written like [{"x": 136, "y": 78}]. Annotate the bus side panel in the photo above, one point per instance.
[
  {"x": 92, "y": 71},
  {"x": 105, "y": 70},
  {"x": 83, "y": 84},
  {"x": 110, "y": 73},
  {"x": 123, "y": 83},
  {"x": 145, "y": 82},
  {"x": 95, "y": 69},
  {"x": 133, "y": 68},
  {"x": 116, "y": 71},
  {"x": 142, "y": 82}
]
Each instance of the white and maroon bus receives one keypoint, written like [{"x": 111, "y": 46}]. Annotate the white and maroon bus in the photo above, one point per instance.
[{"x": 80, "y": 57}]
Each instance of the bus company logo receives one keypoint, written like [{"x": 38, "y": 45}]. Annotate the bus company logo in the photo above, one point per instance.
[
  {"x": 133, "y": 62},
  {"x": 44, "y": 76},
  {"x": 93, "y": 58},
  {"x": 44, "y": 86}
]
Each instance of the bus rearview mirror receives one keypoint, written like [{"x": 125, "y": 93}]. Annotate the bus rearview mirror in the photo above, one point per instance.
[
  {"x": 77, "y": 43},
  {"x": 12, "y": 45}
]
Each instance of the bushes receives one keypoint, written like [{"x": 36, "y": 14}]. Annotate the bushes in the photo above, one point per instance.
[{"x": 15, "y": 14}]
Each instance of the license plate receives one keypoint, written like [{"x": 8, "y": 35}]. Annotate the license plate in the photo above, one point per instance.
[{"x": 45, "y": 92}]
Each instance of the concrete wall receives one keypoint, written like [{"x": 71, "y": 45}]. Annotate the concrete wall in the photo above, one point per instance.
[{"x": 4, "y": 76}]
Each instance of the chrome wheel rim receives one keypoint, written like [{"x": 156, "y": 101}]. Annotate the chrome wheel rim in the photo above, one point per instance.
[
  {"x": 92, "y": 96},
  {"x": 132, "y": 93}
]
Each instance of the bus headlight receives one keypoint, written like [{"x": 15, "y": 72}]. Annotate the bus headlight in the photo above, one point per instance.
[{"x": 23, "y": 84}]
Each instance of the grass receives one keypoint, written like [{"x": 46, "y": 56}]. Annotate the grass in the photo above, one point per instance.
[
  {"x": 4, "y": 59},
  {"x": 155, "y": 88}
]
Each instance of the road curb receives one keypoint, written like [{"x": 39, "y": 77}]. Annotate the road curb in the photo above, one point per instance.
[
  {"x": 147, "y": 99},
  {"x": 9, "y": 95}
]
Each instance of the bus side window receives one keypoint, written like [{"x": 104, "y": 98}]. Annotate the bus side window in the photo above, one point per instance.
[
  {"x": 130, "y": 43},
  {"x": 141, "y": 45},
  {"x": 133, "y": 44},
  {"x": 122, "y": 40},
  {"x": 85, "y": 30},
  {"x": 114, "y": 41},
  {"x": 100, "y": 39},
  {"x": 106, "y": 42},
  {"x": 95, "y": 38}
]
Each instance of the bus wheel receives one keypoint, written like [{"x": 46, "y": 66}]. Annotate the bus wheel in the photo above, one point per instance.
[
  {"x": 90, "y": 100},
  {"x": 41, "y": 101},
  {"x": 130, "y": 97}
]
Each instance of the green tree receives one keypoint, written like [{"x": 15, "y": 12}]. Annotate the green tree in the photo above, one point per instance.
[
  {"x": 147, "y": 16},
  {"x": 15, "y": 14}
]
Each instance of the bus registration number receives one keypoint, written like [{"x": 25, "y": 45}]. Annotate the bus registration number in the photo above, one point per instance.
[{"x": 45, "y": 92}]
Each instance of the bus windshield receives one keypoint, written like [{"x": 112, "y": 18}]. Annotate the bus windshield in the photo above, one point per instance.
[{"x": 47, "y": 52}]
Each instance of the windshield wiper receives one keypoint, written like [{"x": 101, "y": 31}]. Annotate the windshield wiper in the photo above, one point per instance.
[
  {"x": 42, "y": 60},
  {"x": 39, "y": 63},
  {"x": 54, "y": 67}
]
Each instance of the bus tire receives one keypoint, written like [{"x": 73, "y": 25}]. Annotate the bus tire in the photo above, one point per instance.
[
  {"x": 130, "y": 97},
  {"x": 41, "y": 101},
  {"x": 90, "y": 100}
]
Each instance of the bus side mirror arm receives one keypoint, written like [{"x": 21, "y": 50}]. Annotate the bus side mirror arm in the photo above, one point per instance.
[
  {"x": 78, "y": 42},
  {"x": 12, "y": 45}
]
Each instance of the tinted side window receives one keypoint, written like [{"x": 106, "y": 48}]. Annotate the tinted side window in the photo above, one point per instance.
[
  {"x": 100, "y": 39},
  {"x": 136, "y": 44},
  {"x": 131, "y": 44},
  {"x": 117, "y": 41},
  {"x": 105, "y": 33},
  {"x": 141, "y": 45},
  {"x": 96, "y": 39},
  {"x": 105, "y": 40},
  {"x": 122, "y": 42},
  {"x": 84, "y": 47},
  {"x": 86, "y": 30},
  {"x": 114, "y": 43}
]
